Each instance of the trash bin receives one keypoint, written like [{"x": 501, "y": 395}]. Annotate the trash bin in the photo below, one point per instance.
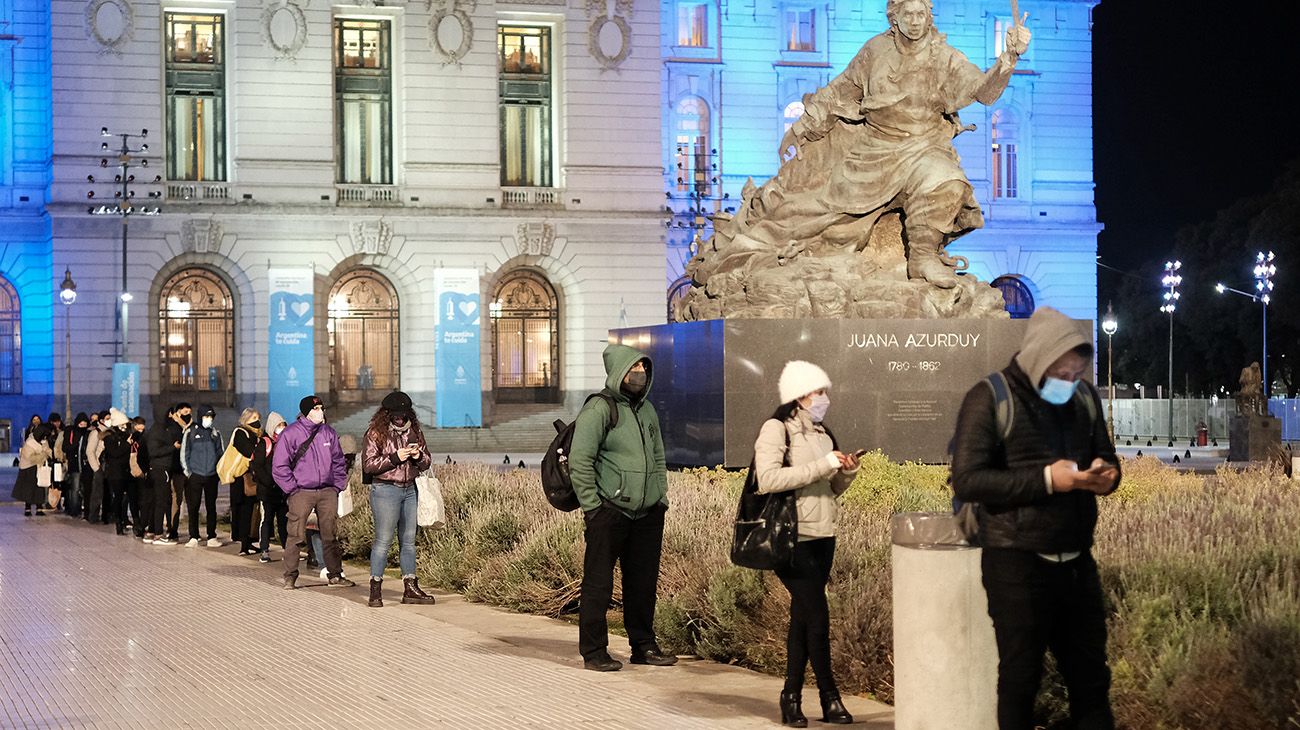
[
  {"x": 945, "y": 655},
  {"x": 1202, "y": 434}
]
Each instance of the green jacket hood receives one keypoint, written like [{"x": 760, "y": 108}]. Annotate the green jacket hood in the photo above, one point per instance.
[{"x": 619, "y": 359}]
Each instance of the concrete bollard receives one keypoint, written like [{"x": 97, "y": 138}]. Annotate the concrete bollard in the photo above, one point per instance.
[{"x": 945, "y": 655}]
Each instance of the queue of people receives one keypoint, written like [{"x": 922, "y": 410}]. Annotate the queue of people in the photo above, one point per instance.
[{"x": 1035, "y": 483}]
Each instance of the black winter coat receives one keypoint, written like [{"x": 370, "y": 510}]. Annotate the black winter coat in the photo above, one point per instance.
[
  {"x": 162, "y": 438},
  {"x": 1006, "y": 479},
  {"x": 117, "y": 453},
  {"x": 261, "y": 470}
]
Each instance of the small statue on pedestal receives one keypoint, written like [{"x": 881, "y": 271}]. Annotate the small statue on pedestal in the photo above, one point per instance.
[{"x": 1250, "y": 399}]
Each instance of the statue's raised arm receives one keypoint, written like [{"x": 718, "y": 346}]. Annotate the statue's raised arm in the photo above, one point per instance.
[{"x": 869, "y": 192}]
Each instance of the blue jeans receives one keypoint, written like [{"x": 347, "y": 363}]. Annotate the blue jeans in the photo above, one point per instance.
[{"x": 393, "y": 508}]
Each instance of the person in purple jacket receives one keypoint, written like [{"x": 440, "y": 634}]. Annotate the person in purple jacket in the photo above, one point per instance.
[{"x": 308, "y": 465}]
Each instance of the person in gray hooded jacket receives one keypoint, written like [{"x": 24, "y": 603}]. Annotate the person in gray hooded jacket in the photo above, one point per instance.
[
  {"x": 1037, "y": 491},
  {"x": 201, "y": 449}
]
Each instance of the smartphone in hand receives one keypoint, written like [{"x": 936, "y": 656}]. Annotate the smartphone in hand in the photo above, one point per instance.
[{"x": 859, "y": 453}]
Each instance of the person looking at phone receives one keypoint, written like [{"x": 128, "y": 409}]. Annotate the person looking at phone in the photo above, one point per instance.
[
  {"x": 393, "y": 456},
  {"x": 796, "y": 451},
  {"x": 1037, "y": 490}
]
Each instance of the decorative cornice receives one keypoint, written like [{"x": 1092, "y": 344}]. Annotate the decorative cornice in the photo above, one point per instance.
[{"x": 106, "y": 43}]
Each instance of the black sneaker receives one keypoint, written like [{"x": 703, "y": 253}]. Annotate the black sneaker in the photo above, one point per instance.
[
  {"x": 341, "y": 582},
  {"x": 602, "y": 663},
  {"x": 266, "y": 558},
  {"x": 653, "y": 656},
  {"x": 289, "y": 583}
]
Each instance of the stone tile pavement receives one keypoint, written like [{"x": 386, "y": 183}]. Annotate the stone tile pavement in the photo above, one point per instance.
[{"x": 101, "y": 631}]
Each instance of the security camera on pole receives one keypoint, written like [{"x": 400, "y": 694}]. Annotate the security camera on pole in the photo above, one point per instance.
[{"x": 125, "y": 376}]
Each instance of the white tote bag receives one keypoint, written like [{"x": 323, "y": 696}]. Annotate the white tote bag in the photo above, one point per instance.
[
  {"x": 58, "y": 471},
  {"x": 44, "y": 476},
  {"x": 345, "y": 501},
  {"x": 430, "y": 510}
]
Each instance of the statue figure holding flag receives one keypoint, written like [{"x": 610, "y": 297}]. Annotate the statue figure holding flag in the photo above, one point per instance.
[{"x": 873, "y": 149}]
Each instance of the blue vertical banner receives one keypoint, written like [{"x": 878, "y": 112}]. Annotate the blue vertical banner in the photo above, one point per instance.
[
  {"x": 126, "y": 388},
  {"x": 292, "y": 352},
  {"x": 458, "y": 386}
]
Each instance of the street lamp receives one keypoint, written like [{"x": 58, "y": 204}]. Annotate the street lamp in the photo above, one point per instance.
[
  {"x": 1110, "y": 326},
  {"x": 1171, "y": 282},
  {"x": 124, "y": 207},
  {"x": 1265, "y": 269},
  {"x": 67, "y": 295}
]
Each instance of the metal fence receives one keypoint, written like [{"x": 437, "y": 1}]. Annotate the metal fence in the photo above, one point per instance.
[{"x": 1148, "y": 418}]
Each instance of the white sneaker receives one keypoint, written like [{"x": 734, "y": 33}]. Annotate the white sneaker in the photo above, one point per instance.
[
  {"x": 214, "y": 542},
  {"x": 194, "y": 542},
  {"x": 325, "y": 574},
  {"x": 164, "y": 540}
]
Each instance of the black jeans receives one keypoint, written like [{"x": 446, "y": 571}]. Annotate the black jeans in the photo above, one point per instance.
[
  {"x": 142, "y": 505},
  {"x": 117, "y": 487},
  {"x": 1038, "y": 605},
  {"x": 159, "y": 502},
  {"x": 72, "y": 494},
  {"x": 241, "y": 515},
  {"x": 275, "y": 512},
  {"x": 99, "y": 501},
  {"x": 809, "y": 638},
  {"x": 178, "y": 482},
  {"x": 636, "y": 546},
  {"x": 204, "y": 487}
]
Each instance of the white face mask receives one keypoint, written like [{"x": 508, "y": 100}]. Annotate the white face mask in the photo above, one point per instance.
[
  {"x": 206, "y": 421},
  {"x": 279, "y": 430},
  {"x": 316, "y": 416},
  {"x": 817, "y": 409}
]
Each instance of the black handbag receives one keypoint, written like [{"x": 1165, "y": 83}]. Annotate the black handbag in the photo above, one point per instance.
[{"x": 767, "y": 525}]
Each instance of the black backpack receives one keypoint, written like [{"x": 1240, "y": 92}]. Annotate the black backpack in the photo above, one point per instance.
[{"x": 555, "y": 464}]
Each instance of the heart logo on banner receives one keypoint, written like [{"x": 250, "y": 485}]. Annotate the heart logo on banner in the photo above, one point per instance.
[
  {"x": 290, "y": 310},
  {"x": 456, "y": 309}
]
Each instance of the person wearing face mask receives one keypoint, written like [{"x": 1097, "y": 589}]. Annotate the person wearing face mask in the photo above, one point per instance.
[
  {"x": 275, "y": 510},
  {"x": 117, "y": 465},
  {"x": 181, "y": 418},
  {"x": 162, "y": 442},
  {"x": 73, "y": 448},
  {"x": 243, "y": 490},
  {"x": 1037, "y": 489},
  {"x": 309, "y": 466},
  {"x": 200, "y": 451},
  {"x": 393, "y": 456},
  {"x": 795, "y": 451},
  {"x": 32, "y": 455},
  {"x": 97, "y": 507},
  {"x": 621, "y": 482}
]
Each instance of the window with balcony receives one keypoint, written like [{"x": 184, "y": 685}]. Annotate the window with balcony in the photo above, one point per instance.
[
  {"x": 11, "y": 340},
  {"x": 195, "y": 73},
  {"x": 363, "y": 84},
  {"x": 692, "y": 154},
  {"x": 1004, "y": 155},
  {"x": 524, "y": 85}
]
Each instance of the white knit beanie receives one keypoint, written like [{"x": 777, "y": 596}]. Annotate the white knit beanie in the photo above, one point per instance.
[{"x": 799, "y": 378}]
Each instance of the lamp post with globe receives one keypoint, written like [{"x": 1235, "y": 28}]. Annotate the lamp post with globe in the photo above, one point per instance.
[
  {"x": 1110, "y": 326},
  {"x": 67, "y": 295}
]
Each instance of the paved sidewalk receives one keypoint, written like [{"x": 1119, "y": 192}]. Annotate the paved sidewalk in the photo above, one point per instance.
[{"x": 100, "y": 631}]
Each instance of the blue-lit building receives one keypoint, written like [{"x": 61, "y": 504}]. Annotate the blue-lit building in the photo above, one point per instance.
[{"x": 735, "y": 73}]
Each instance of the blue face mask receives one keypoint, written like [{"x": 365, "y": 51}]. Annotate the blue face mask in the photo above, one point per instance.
[{"x": 1056, "y": 391}]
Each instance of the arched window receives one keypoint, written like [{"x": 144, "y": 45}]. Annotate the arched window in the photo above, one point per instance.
[
  {"x": 1005, "y": 135},
  {"x": 196, "y": 336},
  {"x": 791, "y": 114},
  {"x": 363, "y": 336},
  {"x": 525, "y": 315},
  {"x": 1020, "y": 301},
  {"x": 676, "y": 291},
  {"x": 693, "y": 155},
  {"x": 11, "y": 340}
]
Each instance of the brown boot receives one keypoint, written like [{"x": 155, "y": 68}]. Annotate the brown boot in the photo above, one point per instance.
[
  {"x": 376, "y": 600},
  {"x": 411, "y": 592}
]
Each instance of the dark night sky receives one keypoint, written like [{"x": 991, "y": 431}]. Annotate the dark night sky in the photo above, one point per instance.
[{"x": 1194, "y": 105}]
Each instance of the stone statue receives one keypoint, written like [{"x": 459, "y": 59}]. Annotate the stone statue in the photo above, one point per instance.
[
  {"x": 1250, "y": 399},
  {"x": 869, "y": 192}
]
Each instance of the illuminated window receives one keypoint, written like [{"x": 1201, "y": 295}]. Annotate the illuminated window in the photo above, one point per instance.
[
  {"x": 525, "y": 338},
  {"x": 195, "y": 97},
  {"x": 693, "y": 155},
  {"x": 525, "y": 99},
  {"x": 196, "y": 340},
  {"x": 791, "y": 114},
  {"x": 693, "y": 24},
  {"x": 363, "y": 336},
  {"x": 1004, "y": 132},
  {"x": 11, "y": 340},
  {"x": 801, "y": 30},
  {"x": 1019, "y": 300},
  {"x": 363, "y": 101}
]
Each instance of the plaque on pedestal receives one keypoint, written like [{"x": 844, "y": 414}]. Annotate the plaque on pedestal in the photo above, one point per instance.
[
  {"x": 1254, "y": 437},
  {"x": 896, "y": 384}
]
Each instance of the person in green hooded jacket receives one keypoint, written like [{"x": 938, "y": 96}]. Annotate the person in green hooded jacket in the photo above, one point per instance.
[{"x": 621, "y": 482}]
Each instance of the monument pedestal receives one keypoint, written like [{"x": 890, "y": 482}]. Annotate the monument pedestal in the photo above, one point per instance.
[{"x": 1254, "y": 437}]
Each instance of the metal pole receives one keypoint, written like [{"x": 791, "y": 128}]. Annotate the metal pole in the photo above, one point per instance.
[
  {"x": 1171, "y": 378},
  {"x": 67, "y": 363},
  {"x": 121, "y": 300},
  {"x": 1265, "y": 363},
  {"x": 1110, "y": 383}
]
